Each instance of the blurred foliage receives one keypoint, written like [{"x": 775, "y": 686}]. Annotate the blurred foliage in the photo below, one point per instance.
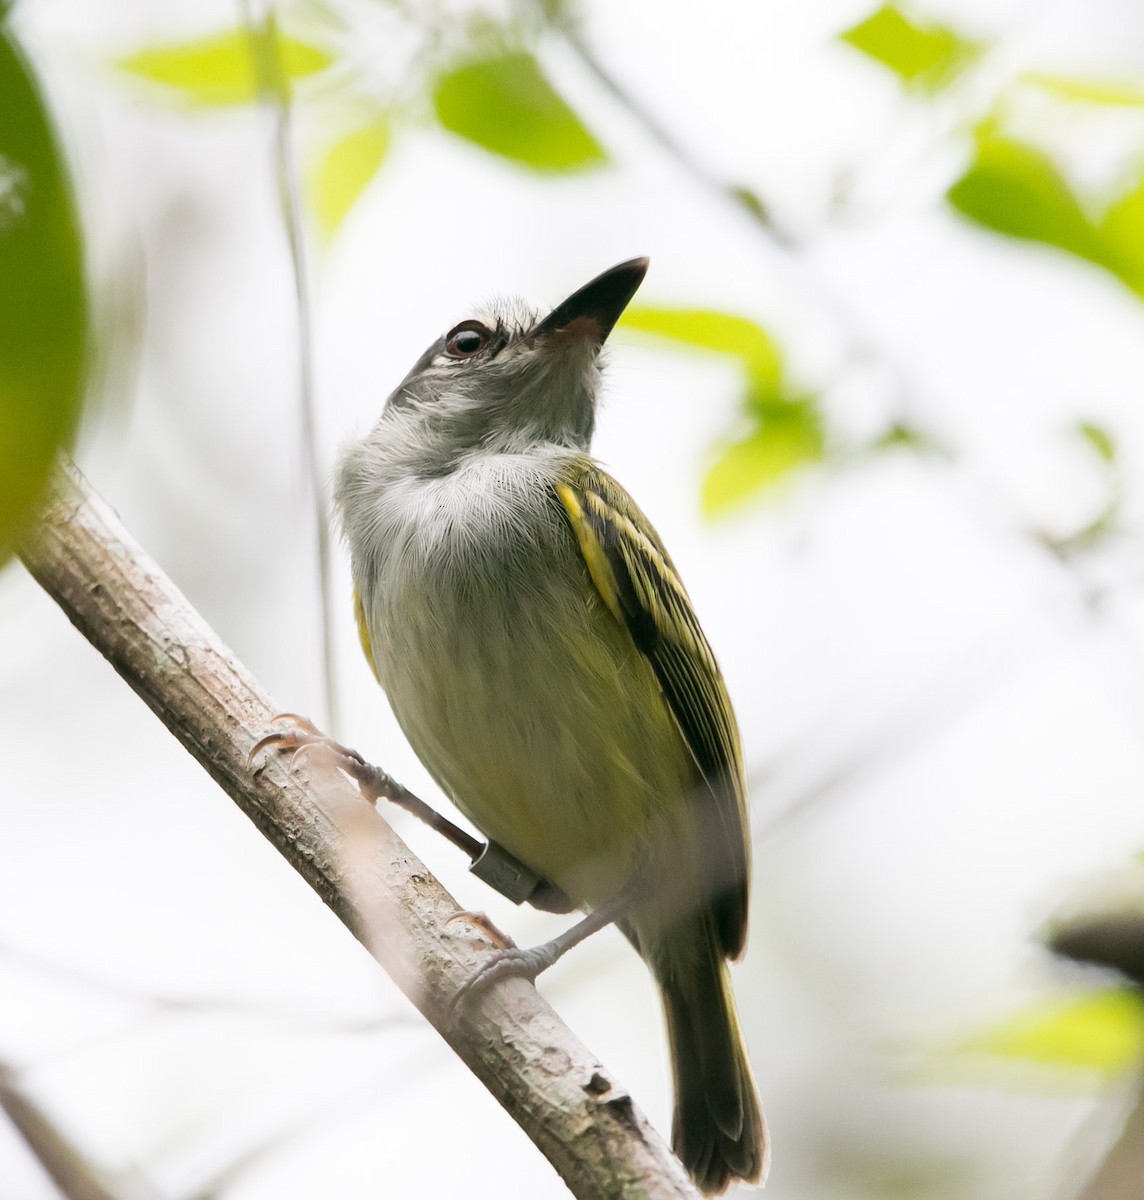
[
  {"x": 342, "y": 171},
  {"x": 923, "y": 54},
  {"x": 785, "y": 429},
  {"x": 1010, "y": 186},
  {"x": 502, "y": 102},
  {"x": 221, "y": 70},
  {"x": 1099, "y": 1031},
  {"x": 505, "y": 104},
  {"x": 1094, "y": 532},
  {"x": 43, "y": 303},
  {"x": 1016, "y": 190},
  {"x": 1088, "y": 91}
]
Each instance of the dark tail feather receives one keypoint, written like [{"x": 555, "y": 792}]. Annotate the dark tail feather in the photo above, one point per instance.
[{"x": 719, "y": 1132}]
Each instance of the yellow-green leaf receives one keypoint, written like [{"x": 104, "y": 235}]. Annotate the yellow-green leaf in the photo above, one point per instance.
[
  {"x": 1088, "y": 91},
  {"x": 1099, "y": 439},
  {"x": 506, "y": 105},
  {"x": 790, "y": 435},
  {"x": 1098, "y": 1032},
  {"x": 706, "y": 329},
  {"x": 221, "y": 70},
  {"x": 918, "y": 53},
  {"x": 1016, "y": 190},
  {"x": 341, "y": 173},
  {"x": 1122, "y": 231},
  {"x": 43, "y": 303}
]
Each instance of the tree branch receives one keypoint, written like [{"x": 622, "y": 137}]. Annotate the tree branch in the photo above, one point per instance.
[{"x": 584, "y": 1122}]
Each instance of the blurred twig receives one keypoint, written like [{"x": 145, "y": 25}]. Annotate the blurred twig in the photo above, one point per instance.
[
  {"x": 553, "y": 1087},
  {"x": 72, "y": 1174},
  {"x": 274, "y": 87}
]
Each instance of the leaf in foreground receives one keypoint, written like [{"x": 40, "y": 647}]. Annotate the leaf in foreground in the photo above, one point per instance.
[
  {"x": 220, "y": 70},
  {"x": 43, "y": 304},
  {"x": 343, "y": 171},
  {"x": 927, "y": 54},
  {"x": 1014, "y": 189},
  {"x": 719, "y": 332},
  {"x": 505, "y": 104},
  {"x": 789, "y": 435},
  {"x": 1101, "y": 1032}
]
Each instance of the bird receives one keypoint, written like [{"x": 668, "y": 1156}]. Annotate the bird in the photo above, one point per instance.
[{"x": 544, "y": 661}]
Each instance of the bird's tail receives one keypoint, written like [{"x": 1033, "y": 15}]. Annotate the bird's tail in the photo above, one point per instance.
[{"x": 719, "y": 1131}]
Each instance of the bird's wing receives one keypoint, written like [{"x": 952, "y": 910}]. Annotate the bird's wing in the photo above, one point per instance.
[
  {"x": 639, "y": 584},
  {"x": 363, "y": 634}
]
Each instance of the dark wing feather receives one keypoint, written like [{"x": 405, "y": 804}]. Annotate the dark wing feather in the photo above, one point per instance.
[{"x": 639, "y": 584}]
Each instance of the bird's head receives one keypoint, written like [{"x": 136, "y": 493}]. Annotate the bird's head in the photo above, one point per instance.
[{"x": 508, "y": 378}]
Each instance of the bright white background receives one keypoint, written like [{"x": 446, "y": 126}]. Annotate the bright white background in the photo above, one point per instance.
[{"x": 943, "y": 736}]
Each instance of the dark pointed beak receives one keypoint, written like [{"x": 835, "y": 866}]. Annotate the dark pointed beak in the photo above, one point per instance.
[{"x": 592, "y": 311}]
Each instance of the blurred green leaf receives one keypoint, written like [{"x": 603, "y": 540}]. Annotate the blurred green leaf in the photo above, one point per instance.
[
  {"x": 1122, "y": 231},
  {"x": 1087, "y": 91},
  {"x": 1099, "y": 439},
  {"x": 43, "y": 304},
  {"x": 789, "y": 435},
  {"x": 1014, "y": 189},
  {"x": 925, "y": 54},
  {"x": 221, "y": 70},
  {"x": 506, "y": 105},
  {"x": 340, "y": 175},
  {"x": 706, "y": 329},
  {"x": 1097, "y": 1032},
  {"x": 906, "y": 437}
]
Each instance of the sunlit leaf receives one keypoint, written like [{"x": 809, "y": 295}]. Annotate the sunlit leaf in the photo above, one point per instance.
[
  {"x": 221, "y": 70},
  {"x": 1088, "y": 91},
  {"x": 43, "y": 305},
  {"x": 789, "y": 435},
  {"x": 1122, "y": 230},
  {"x": 340, "y": 175},
  {"x": 922, "y": 53},
  {"x": 706, "y": 329},
  {"x": 1098, "y": 1032},
  {"x": 1016, "y": 190},
  {"x": 1099, "y": 439},
  {"x": 506, "y": 105}
]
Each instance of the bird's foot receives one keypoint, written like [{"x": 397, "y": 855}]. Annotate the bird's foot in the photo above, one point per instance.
[
  {"x": 510, "y": 962},
  {"x": 303, "y": 735},
  {"x": 481, "y": 920}
]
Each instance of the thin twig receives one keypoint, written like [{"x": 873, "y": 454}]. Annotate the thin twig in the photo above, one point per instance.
[
  {"x": 580, "y": 1118},
  {"x": 274, "y": 87},
  {"x": 72, "y": 1174}
]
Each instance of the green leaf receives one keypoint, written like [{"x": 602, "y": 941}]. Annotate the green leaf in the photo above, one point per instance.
[
  {"x": 789, "y": 435},
  {"x": 900, "y": 436},
  {"x": 1099, "y": 439},
  {"x": 1087, "y": 91},
  {"x": 505, "y": 105},
  {"x": 342, "y": 172},
  {"x": 221, "y": 71},
  {"x": 1098, "y": 1032},
  {"x": 706, "y": 329},
  {"x": 43, "y": 303},
  {"x": 1122, "y": 231},
  {"x": 928, "y": 55},
  {"x": 1016, "y": 190}
]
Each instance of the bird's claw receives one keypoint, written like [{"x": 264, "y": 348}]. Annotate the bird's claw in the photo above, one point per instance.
[
  {"x": 304, "y": 735},
  {"x": 508, "y": 963}
]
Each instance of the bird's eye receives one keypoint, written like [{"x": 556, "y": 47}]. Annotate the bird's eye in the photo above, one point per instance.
[{"x": 467, "y": 339}]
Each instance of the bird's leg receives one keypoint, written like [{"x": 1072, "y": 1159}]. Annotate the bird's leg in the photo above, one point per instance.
[
  {"x": 375, "y": 783},
  {"x": 514, "y": 963},
  {"x": 488, "y": 860}
]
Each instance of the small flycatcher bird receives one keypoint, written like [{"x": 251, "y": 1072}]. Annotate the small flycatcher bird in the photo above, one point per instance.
[{"x": 544, "y": 661}]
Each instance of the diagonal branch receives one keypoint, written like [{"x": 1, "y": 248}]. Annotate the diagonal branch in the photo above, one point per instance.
[{"x": 581, "y": 1119}]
